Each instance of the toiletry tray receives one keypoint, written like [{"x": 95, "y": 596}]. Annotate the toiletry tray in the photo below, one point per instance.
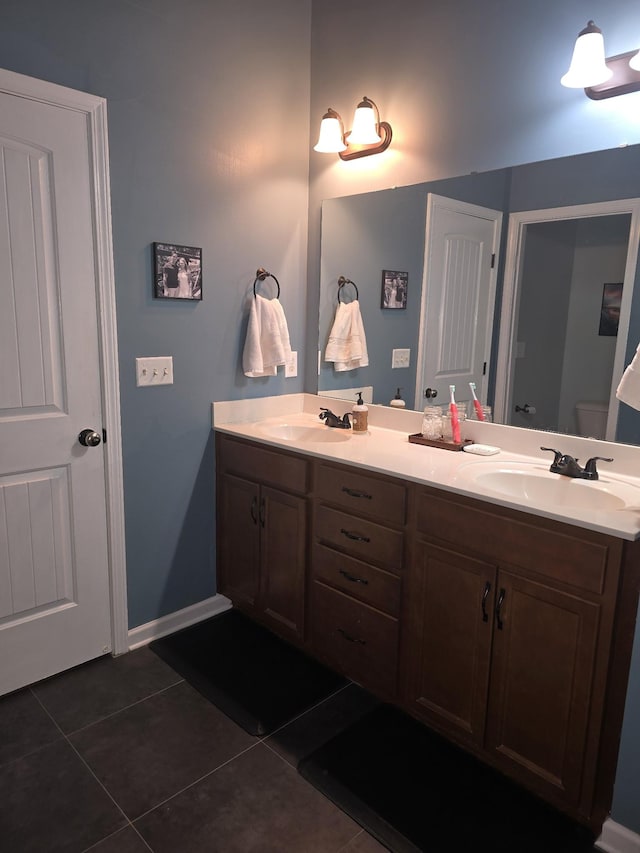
[{"x": 418, "y": 438}]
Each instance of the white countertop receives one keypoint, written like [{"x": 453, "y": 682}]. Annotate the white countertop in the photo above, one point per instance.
[{"x": 386, "y": 449}]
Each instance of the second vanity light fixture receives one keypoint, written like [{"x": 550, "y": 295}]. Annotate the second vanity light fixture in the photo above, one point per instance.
[
  {"x": 599, "y": 76},
  {"x": 368, "y": 136}
]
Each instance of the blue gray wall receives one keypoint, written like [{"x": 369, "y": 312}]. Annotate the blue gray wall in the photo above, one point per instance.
[
  {"x": 468, "y": 86},
  {"x": 208, "y": 133}
]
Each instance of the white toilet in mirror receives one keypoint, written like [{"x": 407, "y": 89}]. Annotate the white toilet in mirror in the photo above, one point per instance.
[{"x": 592, "y": 418}]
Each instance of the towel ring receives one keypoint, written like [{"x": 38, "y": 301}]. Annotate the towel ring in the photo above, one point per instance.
[
  {"x": 261, "y": 274},
  {"x": 341, "y": 283}
]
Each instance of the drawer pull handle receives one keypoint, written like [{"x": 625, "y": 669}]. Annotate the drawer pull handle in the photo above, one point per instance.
[
  {"x": 499, "y": 608},
  {"x": 354, "y": 536},
  {"x": 254, "y": 505},
  {"x": 485, "y": 595},
  {"x": 352, "y": 639},
  {"x": 353, "y": 578},
  {"x": 263, "y": 510},
  {"x": 354, "y": 494}
]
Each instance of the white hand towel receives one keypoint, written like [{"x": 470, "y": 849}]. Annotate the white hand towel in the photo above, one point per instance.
[
  {"x": 629, "y": 388},
  {"x": 347, "y": 344},
  {"x": 267, "y": 343}
]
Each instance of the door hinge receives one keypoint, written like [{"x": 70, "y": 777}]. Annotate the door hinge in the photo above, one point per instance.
[
  {"x": 104, "y": 436},
  {"x": 493, "y": 260},
  {"x": 484, "y": 369}
]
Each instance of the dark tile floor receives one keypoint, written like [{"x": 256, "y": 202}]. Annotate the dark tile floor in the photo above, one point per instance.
[{"x": 123, "y": 756}]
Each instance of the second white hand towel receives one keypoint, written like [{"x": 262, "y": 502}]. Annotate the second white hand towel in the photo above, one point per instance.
[
  {"x": 347, "y": 344},
  {"x": 267, "y": 344},
  {"x": 629, "y": 388}
]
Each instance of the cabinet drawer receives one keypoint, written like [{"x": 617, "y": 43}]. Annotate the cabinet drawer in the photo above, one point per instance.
[
  {"x": 358, "y": 640},
  {"x": 548, "y": 548},
  {"x": 271, "y": 467},
  {"x": 359, "y": 537},
  {"x": 373, "y": 586},
  {"x": 384, "y": 500}
]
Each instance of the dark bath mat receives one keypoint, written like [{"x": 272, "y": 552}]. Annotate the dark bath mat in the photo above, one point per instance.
[
  {"x": 413, "y": 791},
  {"x": 254, "y": 677}
]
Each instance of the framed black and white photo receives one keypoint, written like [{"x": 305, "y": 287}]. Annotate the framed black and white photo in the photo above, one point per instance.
[
  {"x": 394, "y": 289},
  {"x": 177, "y": 271}
]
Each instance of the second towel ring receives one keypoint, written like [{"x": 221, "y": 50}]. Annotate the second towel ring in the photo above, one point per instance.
[
  {"x": 341, "y": 283},
  {"x": 261, "y": 274}
]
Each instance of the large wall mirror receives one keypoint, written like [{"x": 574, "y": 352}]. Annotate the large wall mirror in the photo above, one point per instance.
[{"x": 563, "y": 315}]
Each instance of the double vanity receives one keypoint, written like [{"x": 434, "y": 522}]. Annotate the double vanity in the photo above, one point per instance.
[{"x": 486, "y": 596}]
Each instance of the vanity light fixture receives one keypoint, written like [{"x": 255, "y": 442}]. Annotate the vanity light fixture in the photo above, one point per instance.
[
  {"x": 368, "y": 136},
  {"x": 599, "y": 76}
]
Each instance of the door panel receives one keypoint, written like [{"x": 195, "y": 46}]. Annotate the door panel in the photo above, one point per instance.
[
  {"x": 54, "y": 577},
  {"x": 458, "y": 298}
]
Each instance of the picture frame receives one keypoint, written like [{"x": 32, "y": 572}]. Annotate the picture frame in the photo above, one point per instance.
[
  {"x": 177, "y": 272},
  {"x": 395, "y": 285},
  {"x": 610, "y": 309}
]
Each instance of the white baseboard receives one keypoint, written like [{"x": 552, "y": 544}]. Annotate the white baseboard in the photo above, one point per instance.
[
  {"x": 616, "y": 838},
  {"x": 144, "y": 634}
]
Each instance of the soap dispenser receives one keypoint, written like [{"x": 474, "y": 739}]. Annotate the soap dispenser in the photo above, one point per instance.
[
  {"x": 360, "y": 416},
  {"x": 397, "y": 401}
]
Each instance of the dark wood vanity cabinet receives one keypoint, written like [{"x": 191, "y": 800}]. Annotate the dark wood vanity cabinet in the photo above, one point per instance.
[
  {"x": 508, "y": 632},
  {"x": 357, "y": 561},
  {"x": 262, "y": 541}
]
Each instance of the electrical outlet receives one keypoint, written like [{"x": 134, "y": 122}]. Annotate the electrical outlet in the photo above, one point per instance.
[
  {"x": 400, "y": 357},
  {"x": 154, "y": 371},
  {"x": 291, "y": 367}
]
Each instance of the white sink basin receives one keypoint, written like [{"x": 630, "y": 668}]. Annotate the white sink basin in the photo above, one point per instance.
[
  {"x": 305, "y": 434},
  {"x": 536, "y": 485}
]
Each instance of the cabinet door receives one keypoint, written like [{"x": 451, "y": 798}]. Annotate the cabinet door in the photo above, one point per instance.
[
  {"x": 238, "y": 535},
  {"x": 449, "y": 640},
  {"x": 282, "y": 556},
  {"x": 543, "y": 660}
]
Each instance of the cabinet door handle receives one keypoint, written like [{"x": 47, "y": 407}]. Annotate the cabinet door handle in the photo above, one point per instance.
[
  {"x": 499, "y": 607},
  {"x": 352, "y": 639},
  {"x": 485, "y": 595},
  {"x": 254, "y": 509},
  {"x": 354, "y": 494},
  {"x": 353, "y": 578},
  {"x": 262, "y": 512},
  {"x": 354, "y": 536}
]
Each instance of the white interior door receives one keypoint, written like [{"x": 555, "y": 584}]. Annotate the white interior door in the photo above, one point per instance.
[
  {"x": 54, "y": 570},
  {"x": 458, "y": 299}
]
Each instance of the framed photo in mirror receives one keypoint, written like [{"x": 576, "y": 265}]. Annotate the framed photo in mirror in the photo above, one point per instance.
[
  {"x": 177, "y": 271},
  {"x": 394, "y": 289},
  {"x": 610, "y": 310}
]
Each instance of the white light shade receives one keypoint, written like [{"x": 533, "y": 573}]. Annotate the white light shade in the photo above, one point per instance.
[
  {"x": 588, "y": 67},
  {"x": 365, "y": 129},
  {"x": 331, "y": 139},
  {"x": 634, "y": 62}
]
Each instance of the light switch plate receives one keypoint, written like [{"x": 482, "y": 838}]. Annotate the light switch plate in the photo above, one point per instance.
[
  {"x": 400, "y": 357},
  {"x": 291, "y": 367},
  {"x": 157, "y": 370}
]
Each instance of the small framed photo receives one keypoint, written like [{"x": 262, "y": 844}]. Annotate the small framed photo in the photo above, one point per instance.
[
  {"x": 394, "y": 289},
  {"x": 177, "y": 271},
  {"x": 610, "y": 310}
]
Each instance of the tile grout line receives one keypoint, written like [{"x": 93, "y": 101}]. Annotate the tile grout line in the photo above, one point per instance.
[
  {"x": 307, "y": 710},
  {"x": 116, "y": 804}
]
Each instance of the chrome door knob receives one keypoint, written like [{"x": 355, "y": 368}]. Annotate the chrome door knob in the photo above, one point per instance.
[{"x": 89, "y": 438}]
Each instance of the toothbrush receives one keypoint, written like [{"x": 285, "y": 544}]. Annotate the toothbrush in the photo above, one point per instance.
[
  {"x": 455, "y": 423},
  {"x": 476, "y": 403}
]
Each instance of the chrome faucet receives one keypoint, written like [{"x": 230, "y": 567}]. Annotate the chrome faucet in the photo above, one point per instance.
[
  {"x": 332, "y": 420},
  {"x": 569, "y": 467}
]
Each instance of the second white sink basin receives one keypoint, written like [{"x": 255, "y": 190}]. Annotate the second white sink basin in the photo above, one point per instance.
[
  {"x": 535, "y": 485},
  {"x": 305, "y": 434}
]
